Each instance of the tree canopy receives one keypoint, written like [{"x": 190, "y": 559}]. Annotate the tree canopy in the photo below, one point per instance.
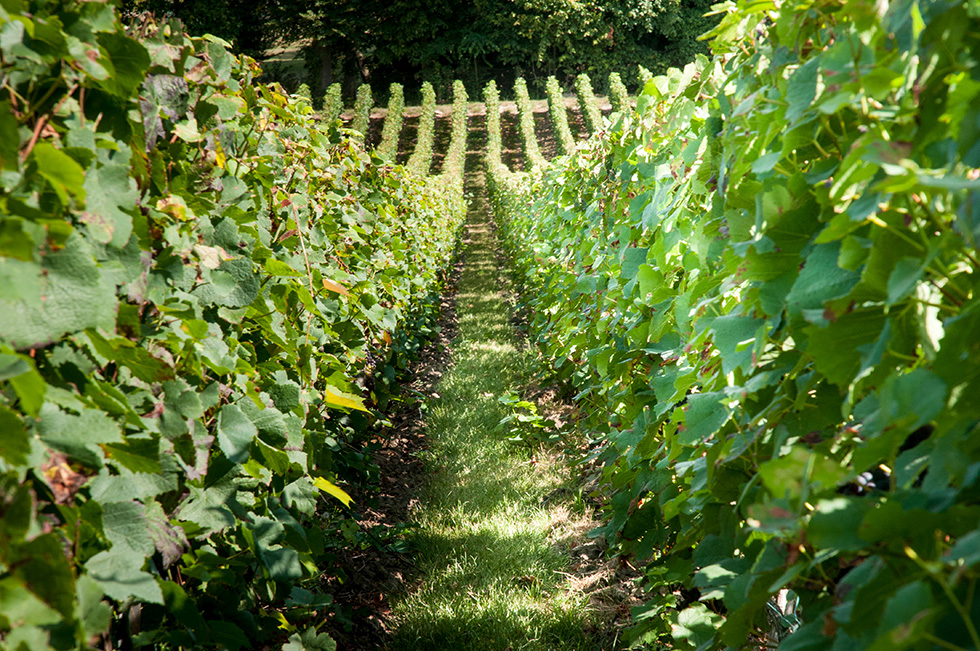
[
  {"x": 251, "y": 26},
  {"x": 398, "y": 40}
]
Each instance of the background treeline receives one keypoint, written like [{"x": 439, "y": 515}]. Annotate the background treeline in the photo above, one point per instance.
[{"x": 352, "y": 41}]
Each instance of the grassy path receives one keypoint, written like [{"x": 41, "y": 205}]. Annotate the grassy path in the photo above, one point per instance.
[
  {"x": 489, "y": 552},
  {"x": 492, "y": 548}
]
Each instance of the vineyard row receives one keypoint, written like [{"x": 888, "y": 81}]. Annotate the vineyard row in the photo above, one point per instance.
[{"x": 762, "y": 287}]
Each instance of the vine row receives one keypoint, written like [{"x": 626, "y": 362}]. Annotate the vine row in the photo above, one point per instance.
[
  {"x": 390, "y": 133},
  {"x": 201, "y": 292},
  {"x": 763, "y": 288},
  {"x": 421, "y": 159}
]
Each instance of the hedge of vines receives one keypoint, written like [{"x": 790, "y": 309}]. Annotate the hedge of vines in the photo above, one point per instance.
[
  {"x": 197, "y": 287},
  {"x": 333, "y": 104},
  {"x": 587, "y": 104},
  {"x": 643, "y": 75},
  {"x": 454, "y": 164},
  {"x": 392, "y": 129},
  {"x": 420, "y": 161},
  {"x": 303, "y": 93},
  {"x": 618, "y": 96},
  {"x": 525, "y": 115},
  {"x": 764, "y": 288},
  {"x": 559, "y": 117},
  {"x": 500, "y": 180},
  {"x": 363, "y": 103}
]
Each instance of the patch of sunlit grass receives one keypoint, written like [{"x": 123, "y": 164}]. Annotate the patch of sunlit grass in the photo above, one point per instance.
[{"x": 491, "y": 548}]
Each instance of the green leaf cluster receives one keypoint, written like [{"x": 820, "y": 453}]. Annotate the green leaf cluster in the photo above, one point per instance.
[
  {"x": 643, "y": 76},
  {"x": 303, "y": 92},
  {"x": 198, "y": 285},
  {"x": 453, "y": 165},
  {"x": 333, "y": 103},
  {"x": 762, "y": 286},
  {"x": 505, "y": 188},
  {"x": 491, "y": 99},
  {"x": 618, "y": 96}
]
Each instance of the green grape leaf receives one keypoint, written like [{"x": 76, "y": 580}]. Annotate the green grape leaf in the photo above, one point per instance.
[
  {"x": 967, "y": 549},
  {"x": 15, "y": 442},
  {"x": 66, "y": 177},
  {"x": 836, "y": 347},
  {"x": 632, "y": 259},
  {"x": 184, "y": 610},
  {"x": 43, "y": 568},
  {"x": 229, "y": 636},
  {"x": 94, "y": 613},
  {"x": 28, "y": 384},
  {"x": 801, "y": 471},
  {"x": 905, "y": 620},
  {"x": 801, "y": 89},
  {"x": 695, "y": 625},
  {"x": 130, "y": 61},
  {"x": 125, "y": 525},
  {"x": 138, "y": 360},
  {"x": 310, "y": 640},
  {"x": 233, "y": 284},
  {"x": 836, "y": 523},
  {"x": 903, "y": 279},
  {"x": 78, "y": 436},
  {"x": 128, "y": 485},
  {"x": 169, "y": 540},
  {"x": 704, "y": 415},
  {"x": 300, "y": 495},
  {"x": 21, "y": 608},
  {"x": 235, "y": 433},
  {"x": 109, "y": 190},
  {"x": 210, "y": 507},
  {"x": 9, "y": 138},
  {"x": 73, "y": 295},
  {"x": 136, "y": 454},
  {"x": 735, "y": 336},
  {"x": 821, "y": 279},
  {"x": 120, "y": 573}
]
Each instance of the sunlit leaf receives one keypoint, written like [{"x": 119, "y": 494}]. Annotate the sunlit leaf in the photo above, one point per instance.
[{"x": 332, "y": 489}]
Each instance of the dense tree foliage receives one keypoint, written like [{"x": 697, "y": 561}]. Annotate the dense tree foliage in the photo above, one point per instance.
[
  {"x": 249, "y": 25},
  {"x": 535, "y": 38},
  {"x": 395, "y": 40}
]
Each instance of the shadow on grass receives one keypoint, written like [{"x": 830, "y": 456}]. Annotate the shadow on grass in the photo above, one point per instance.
[
  {"x": 475, "y": 605},
  {"x": 518, "y": 627},
  {"x": 489, "y": 549}
]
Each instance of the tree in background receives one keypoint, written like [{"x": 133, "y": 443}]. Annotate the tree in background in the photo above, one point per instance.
[
  {"x": 384, "y": 41},
  {"x": 358, "y": 40},
  {"x": 338, "y": 36},
  {"x": 537, "y": 38},
  {"x": 249, "y": 25}
]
